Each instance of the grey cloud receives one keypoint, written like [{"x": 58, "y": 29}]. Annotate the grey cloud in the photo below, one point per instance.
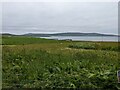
[{"x": 60, "y": 17}]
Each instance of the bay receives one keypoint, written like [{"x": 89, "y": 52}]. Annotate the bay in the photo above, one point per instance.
[{"x": 85, "y": 38}]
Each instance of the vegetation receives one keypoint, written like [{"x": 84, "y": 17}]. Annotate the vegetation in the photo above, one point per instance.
[
  {"x": 40, "y": 63},
  {"x": 21, "y": 40},
  {"x": 96, "y": 46}
]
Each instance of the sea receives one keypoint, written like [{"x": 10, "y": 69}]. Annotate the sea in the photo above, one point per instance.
[{"x": 85, "y": 38}]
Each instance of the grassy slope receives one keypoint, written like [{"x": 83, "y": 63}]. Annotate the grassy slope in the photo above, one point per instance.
[{"x": 34, "y": 62}]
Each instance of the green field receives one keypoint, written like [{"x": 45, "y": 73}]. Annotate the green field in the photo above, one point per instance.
[{"x": 40, "y": 63}]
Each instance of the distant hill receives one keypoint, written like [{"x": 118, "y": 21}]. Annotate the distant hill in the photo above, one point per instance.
[
  {"x": 6, "y": 34},
  {"x": 38, "y": 35},
  {"x": 59, "y": 34},
  {"x": 68, "y": 34},
  {"x": 80, "y": 34}
]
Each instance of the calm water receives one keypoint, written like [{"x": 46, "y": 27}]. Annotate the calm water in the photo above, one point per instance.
[{"x": 85, "y": 38}]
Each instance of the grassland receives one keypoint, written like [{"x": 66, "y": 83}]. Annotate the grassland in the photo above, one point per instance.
[{"x": 40, "y": 63}]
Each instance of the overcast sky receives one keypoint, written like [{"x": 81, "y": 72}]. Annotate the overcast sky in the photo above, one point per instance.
[{"x": 51, "y": 17}]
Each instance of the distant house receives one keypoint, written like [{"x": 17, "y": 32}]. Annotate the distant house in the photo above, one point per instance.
[
  {"x": 9, "y": 36},
  {"x": 55, "y": 38},
  {"x": 68, "y": 39}
]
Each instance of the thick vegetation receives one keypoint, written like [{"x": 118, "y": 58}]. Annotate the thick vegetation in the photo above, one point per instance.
[
  {"x": 96, "y": 46},
  {"x": 45, "y": 64}
]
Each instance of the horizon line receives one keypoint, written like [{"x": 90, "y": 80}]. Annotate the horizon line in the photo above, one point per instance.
[{"x": 57, "y": 33}]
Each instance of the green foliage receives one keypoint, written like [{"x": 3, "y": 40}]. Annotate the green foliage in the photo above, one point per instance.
[
  {"x": 28, "y": 67},
  {"x": 96, "y": 46},
  {"x": 15, "y": 40}
]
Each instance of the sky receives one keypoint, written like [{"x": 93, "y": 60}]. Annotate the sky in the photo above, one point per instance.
[{"x": 54, "y": 17}]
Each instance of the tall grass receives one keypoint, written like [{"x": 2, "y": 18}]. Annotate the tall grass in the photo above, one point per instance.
[
  {"x": 96, "y": 46},
  {"x": 15, "y": 40},
  {"x": 25, "y": 67},
  {"x": 37, "y": 68}
]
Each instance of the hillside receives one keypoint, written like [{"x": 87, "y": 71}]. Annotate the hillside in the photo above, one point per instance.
[
  {"x": 59, "y": 34},
  {"x": 67, "y": 34}
]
